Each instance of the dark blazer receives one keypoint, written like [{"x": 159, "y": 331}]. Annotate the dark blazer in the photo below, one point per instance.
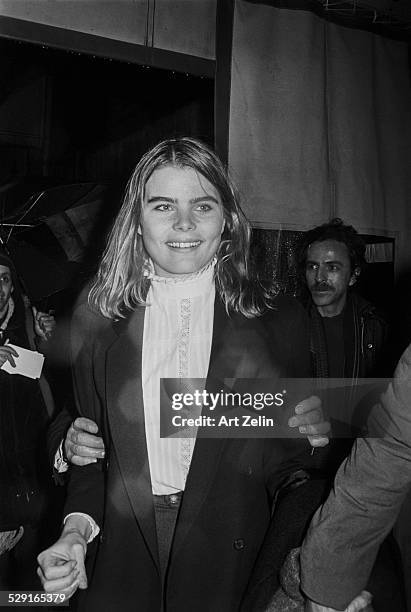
[{"x": 226, "y": 506}]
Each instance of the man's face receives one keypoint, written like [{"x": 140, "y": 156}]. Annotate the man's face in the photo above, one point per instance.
[
  {"x": 328, "y": 274},
  {"x": 6, "y": 288}
]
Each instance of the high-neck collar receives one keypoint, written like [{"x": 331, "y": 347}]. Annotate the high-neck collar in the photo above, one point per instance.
[{"x": 185, "y": 285}]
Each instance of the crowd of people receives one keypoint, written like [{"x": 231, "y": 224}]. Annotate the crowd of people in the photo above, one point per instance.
[{"x": 296, "y": 520}]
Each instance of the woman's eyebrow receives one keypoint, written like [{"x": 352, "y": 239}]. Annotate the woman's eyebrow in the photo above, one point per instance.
[
  {"x": 160, "y": 199},
  {"x": 206, "y": 198}
]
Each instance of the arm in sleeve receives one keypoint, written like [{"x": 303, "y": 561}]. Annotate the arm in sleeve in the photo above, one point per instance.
[
  {"x": 345, "y": 534},
  {"x": 85, "y": 492}
]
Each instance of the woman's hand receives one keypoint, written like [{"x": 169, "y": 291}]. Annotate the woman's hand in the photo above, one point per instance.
[
  {"x": 7, "y": 353},
  {"x": 61, "y": 567}
]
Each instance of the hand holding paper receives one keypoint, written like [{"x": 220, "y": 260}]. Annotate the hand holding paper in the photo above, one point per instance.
[
  {"x": 27, "y": 363},
  {"x": 7, "y": 353}
]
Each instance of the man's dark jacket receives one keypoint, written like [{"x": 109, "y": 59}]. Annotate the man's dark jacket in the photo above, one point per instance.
[{"x": 365, "y": 334}]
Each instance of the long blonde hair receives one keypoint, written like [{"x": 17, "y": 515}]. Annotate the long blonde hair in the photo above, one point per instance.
[{"x": 120, "y": 284}]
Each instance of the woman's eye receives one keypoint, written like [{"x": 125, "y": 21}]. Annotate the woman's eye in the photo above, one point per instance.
[
  {"x": 163, "y": 207},
  {"x": 204, "y": 207}
]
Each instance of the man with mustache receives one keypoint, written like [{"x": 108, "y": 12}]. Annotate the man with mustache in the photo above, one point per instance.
[
  {"x": 348, "y": 341},
  {"x": 347, "y": 332}
]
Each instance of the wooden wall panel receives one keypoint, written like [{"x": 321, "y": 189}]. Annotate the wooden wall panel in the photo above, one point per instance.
[
  {"x": 182, "y": 26},
  {"x": 185, "y": 26},
  {"x": 123, "y": 20}
]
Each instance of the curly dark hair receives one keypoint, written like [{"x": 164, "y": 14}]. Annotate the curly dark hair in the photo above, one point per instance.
[{"x": 333, "y": 230}]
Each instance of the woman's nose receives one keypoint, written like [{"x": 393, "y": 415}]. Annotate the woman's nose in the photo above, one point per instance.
[{"x": 184, "y": 221}]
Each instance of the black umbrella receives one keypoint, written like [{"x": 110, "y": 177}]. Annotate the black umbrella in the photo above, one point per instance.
[{"x": 52, "y": 238}]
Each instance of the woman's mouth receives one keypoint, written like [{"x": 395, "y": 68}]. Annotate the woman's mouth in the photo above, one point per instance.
[{"x": 184, "y": 245}]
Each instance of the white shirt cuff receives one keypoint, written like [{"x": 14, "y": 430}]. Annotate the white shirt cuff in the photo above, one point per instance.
[
  {"x": 95, "y": 529},
  {"x": 60, "y": 465}
]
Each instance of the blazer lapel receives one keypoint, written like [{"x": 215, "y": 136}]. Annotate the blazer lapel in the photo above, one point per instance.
[
  {"x": 238, "y": 351},
  {"x": 207, "y": 451},
  {"x": 126, "y": 418}
]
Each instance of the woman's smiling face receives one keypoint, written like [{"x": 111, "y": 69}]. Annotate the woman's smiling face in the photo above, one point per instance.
[{"x": 182, "y": 220}]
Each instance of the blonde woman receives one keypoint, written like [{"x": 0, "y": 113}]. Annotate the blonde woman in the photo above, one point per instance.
[{"x": 180, "y": 520}]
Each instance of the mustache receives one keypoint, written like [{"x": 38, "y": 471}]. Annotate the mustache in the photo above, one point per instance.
[{"x": 321, "y": 286}]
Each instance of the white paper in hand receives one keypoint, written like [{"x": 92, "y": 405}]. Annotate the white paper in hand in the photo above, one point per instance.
[{"x": 28, "y": 363}]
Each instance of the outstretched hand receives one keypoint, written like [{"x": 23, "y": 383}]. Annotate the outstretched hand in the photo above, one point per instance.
[{"x": 310, "y": 420}]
